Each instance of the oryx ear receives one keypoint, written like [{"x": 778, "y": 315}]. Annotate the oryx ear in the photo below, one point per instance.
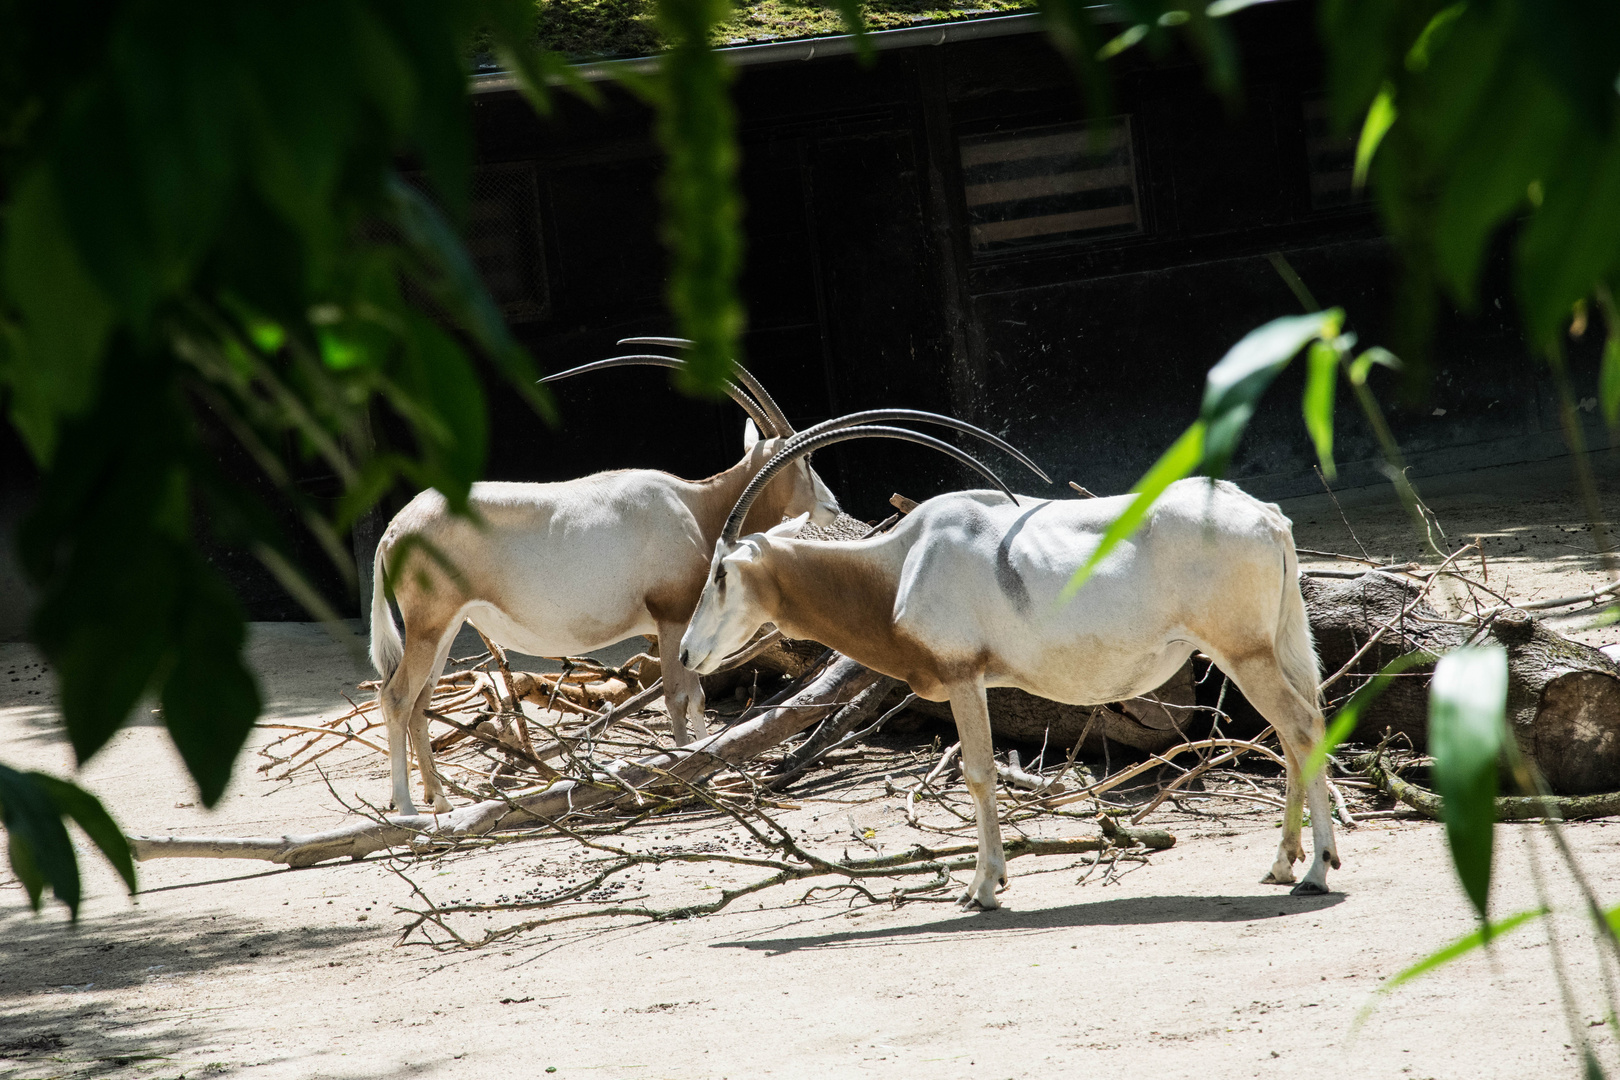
[
  {"x": 750, "y": 434},
  {"x": 789, "y": 528}
]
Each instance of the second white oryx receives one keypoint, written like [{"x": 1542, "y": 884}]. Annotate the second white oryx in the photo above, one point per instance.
[
  {"x": 965, "y": 594},
  {"x": 563, "y": 568}
]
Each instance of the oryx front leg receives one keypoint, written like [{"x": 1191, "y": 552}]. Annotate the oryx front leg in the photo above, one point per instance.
[
  {"x": 972, "y": 715},
  {"x": 1299, "y": 728},
  {"x": 683, "y": 692}
]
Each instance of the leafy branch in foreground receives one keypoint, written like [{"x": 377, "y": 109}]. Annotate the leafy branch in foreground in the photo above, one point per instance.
[
  {"x": 32, "y": 808},
  {"x": 207, "y": 252}
]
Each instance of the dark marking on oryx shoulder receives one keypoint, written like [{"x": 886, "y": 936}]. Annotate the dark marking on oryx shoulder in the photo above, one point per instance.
[{"x": 1008, "y": 578}]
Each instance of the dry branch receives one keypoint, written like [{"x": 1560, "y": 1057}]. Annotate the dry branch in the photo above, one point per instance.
[
  {"x": 1508, "y": 808},
  {"x": 741, "y": 742}
]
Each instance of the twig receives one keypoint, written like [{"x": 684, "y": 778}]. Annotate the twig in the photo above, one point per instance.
[
  {"x": 1114, "y": 780},
  {"x": 1508, "y": 807},
  {"x": 1342, "y": 516}
]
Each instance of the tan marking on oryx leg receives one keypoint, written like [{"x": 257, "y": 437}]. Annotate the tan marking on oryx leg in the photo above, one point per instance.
[
  {"x": 1290, "y": 849},
  {"x": 972, "y": 715},
  {"x": 422, "y": 747},
  {"x": 1299, "y": 728},
  {"x": 683, "y": 692}
]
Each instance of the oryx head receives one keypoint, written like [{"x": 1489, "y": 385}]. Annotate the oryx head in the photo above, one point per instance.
[
  {"x": 740, "y": 594},
  {"x": 738, "y": 598}
]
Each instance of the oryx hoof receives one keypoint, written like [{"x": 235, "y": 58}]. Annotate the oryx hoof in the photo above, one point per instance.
[
  {"x": 985, "y": 901},
  {"x": 1274, "y": 878},
  {"x": 1309, "y": 888}
]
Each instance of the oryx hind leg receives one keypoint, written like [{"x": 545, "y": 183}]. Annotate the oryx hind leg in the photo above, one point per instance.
[
  {"x": 402, "y": 697},
  {"x": 1299, "y": 728}
]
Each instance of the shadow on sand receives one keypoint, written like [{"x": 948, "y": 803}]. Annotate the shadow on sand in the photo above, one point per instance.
[
  {"x": 1126, "y": 911},
  {"x": 57, "y": 1017}
]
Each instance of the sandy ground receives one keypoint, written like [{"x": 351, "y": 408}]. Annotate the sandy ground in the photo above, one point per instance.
[{"x": 1184, "y": 966}]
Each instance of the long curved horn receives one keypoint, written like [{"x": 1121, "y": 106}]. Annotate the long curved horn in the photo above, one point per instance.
[
  {"x": 802, "y": 446},
  {"x": 753, "y": 408},
  {"x": 779, "y": 418},
  {"x": 917, "y": 416}
]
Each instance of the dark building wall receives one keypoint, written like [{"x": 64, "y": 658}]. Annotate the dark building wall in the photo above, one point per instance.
[{"x": 863, "y": 288}]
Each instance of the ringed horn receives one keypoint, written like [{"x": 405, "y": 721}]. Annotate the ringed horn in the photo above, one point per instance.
[
  {"x": 845, "y": 428},
  {"x": 778, "y": 418},
  {"x": 761, "y": 415}
]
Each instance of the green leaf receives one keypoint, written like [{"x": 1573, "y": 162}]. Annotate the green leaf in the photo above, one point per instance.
[
  {"x": 32, "y": 806},
  {"x": 85, "y": 809},
  {"x": 210, "y": 699},
  {"x": 855, "y": 21},
  {"x": 1461, "y": 947},
  {"x": 702, "y": 210},
  {"x": 36, "y": 840},
  {"x": 1380, "y": 118},
  {"x": 1176, "y": 463},
  {"x": 1434, "y": 35},
  {"x": 1609, "y": 379},
  {"x": 1514, "y": 132},
  {"x": 462, "y": 292},
  {"x": 1321, "y": 384},
  {"x": 1570, "y": 242},
  {"x": 1234, "y": 385},
  {"x": 443, "y": 381},
  {"x": 1467, "y": 702},
  {"x": 1127, "y": 38},
  {"x": 1070, "y": 27},
  {"x": 1362, "y": 365},
  {"x": 65, "y": 317},
  {"x": 1349, "y": 714},
  {"x": 1220, "y": 9}
]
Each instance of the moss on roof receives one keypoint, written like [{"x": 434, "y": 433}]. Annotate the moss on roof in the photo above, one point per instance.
[{"x": 616, "y": 28}]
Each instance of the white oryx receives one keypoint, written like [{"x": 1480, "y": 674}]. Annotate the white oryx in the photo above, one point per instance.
[
  {"x": 563, "y": 568},
  {"x": 964, "y": 594}
]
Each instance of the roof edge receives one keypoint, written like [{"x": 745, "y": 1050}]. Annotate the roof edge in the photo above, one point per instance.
[
  {"x": 776, "y": 52},
  {"x": 812, "y": 48}
]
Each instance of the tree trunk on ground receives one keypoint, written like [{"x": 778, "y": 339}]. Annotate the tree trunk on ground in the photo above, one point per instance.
[{"x": 1563, "y": 697}]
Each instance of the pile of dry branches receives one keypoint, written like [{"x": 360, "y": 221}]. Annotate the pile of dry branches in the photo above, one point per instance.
[{"x": 583, "y": 757}]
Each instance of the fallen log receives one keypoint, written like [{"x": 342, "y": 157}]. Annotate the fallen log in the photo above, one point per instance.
[
  {"x": 1149, "y": 723},
  {"x": 1563, "y": 697},
  {"x": 837, "y": 683}
]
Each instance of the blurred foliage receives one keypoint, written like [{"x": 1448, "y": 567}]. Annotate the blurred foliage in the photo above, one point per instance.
[
  {"x": 1481, "y": 116},
  {"x": 205, "y": 236}
]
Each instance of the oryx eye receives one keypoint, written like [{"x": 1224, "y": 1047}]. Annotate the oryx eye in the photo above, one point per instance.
[{"x": 720, "y": 574}]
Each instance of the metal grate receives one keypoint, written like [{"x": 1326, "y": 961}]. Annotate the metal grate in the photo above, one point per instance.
[
  {"x": 1066, "y": 182},
  {"x": 503, "y": 238},
  {"x": 1332, "y": 159}
]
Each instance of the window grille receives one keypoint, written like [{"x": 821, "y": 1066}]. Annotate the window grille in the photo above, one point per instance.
[
  {"x": 1054, "y": 184},
  {"x": 503, "y": 238},
  {"x": 1332, "y": 159}
]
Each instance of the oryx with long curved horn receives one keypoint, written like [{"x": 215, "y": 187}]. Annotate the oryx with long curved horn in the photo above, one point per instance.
[
  {"x": 966, "y": 593},
  {"x": 564, "y": 568}
]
